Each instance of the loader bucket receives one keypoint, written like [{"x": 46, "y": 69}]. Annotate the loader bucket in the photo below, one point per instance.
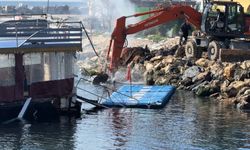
[{"x": 234, "y": 55}]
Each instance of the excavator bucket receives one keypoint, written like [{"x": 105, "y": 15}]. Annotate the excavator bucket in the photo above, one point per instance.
[{"x": 234, "y": 55}]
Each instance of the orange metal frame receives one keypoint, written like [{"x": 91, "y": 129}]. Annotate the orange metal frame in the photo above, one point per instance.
[{"x": 159, "y": 16}]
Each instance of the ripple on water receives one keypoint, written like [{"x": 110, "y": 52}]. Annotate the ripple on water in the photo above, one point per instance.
[{"x": 187, "y": 122}]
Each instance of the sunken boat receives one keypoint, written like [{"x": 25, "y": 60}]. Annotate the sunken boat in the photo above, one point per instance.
[{"x": 37, "y": 59}]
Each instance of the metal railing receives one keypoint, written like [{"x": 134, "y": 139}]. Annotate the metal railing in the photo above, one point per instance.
[{"x": 40, "y": 33}]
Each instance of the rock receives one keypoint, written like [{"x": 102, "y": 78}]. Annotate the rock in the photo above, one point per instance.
[
  {"x": 149, "y": 77},
  {"x": 208, "y": 89},
  {"x": 224, "y": 85},
  {"x": 243, "y": 91},
  {"x": 192, "y": 72},
  {"x": 203, "y": 76},
  {"x": 149, "y": 66},
  {"x": 129, "y": 53},
  {"x": 215, "y": 95},
  {"x": 94, "y": 59},
  {"x": 167, "y": 68},
  {"x": 171, "y": 69},
  {"x": 138, "y": 59},
  {"x": 150, "y": 81},
  {"x": 159, "y": 66},
  {"x": 243, "y": 102},
  {"x": 168, "y": 60},
  {"x": 100, "y": 78},
  {"x": 240, "y": 84},
  {"x": 245, "y": 65},
  {"x": 202, "y": 62},
  {"x": 235, "y": 87},
  {"x": 180, "y": 52},
  {"x": 161, "y": 81},
  {"x": 197, "y": 85},
  {"x": 231, "y": 92},
  {"x": 156, "y": 58},
  {"x": 203, "y": 91},
  {"x": 158, "y": 73},
  {"x": 186, "y": 82},
  {"x": 190, "y": 62},
  {"x": 240, "y": 74},
  {"x": 247, "y": 92},
  {"x": 216, "y": 70},
  {"x": 229, "y": 71},
  {"x": 172, "y": 79}
]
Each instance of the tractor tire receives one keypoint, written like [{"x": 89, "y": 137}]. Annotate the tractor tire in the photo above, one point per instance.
[
  {"x": 213, "y": 50},
  {"x": 191, "y": 50}
]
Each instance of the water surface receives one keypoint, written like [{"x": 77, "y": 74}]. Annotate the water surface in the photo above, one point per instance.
[{"x": 187, "y": 122}]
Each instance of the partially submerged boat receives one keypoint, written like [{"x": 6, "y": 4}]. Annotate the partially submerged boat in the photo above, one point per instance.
[{"x": 37, "y": 63}]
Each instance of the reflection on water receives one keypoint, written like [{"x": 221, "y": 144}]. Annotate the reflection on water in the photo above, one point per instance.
[{"x": 187, "y": 122}]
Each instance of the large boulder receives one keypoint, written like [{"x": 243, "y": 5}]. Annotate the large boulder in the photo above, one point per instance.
[
  {"x": 171, "y": 69},
  {"x": 241, "y": 74},
  {"x": 192, "y": 72},
  {"x": 244, "y": 91},
  {"x": 208, "y": 89},
  {"x": 233, "y": 89},
  {"x": 229, "y": 71},
  {"x": 203, "y": 76},
  {"x": 243, "y": 102},
  {"x": 202, "y": 62},
  {"x": 217, "y": 70},
  {"x": 245, "y": 65},
  {"x": 186, "y": 82}
]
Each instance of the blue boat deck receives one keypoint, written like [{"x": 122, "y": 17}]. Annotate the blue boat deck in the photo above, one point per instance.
[{"x": 140, "y": 96}]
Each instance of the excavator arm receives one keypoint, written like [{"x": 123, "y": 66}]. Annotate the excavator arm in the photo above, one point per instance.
[{"x": 158, "y": 17}]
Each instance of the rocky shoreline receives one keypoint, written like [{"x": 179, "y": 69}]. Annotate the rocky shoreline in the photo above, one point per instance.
[
  {"x": 227, "y": 82},
  {"x": 224, "y": 81}
]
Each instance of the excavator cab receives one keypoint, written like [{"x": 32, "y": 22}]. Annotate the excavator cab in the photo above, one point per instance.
[{"x": 223, "y": 19}]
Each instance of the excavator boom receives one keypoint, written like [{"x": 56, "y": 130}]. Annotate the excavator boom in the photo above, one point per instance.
[{"x": 158, "y": 17}]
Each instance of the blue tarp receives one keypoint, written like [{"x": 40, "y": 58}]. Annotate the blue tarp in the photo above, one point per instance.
[{"x": 140, "y": 96}]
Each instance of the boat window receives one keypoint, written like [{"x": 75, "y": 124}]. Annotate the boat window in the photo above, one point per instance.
[
  {"x": 34, "y": 71},
  {"x": 7, "y": 70},
  {"x": 48, "y": 66}
]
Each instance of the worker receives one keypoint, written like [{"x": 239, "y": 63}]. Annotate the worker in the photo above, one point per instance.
[
  {"x": 219, "y": 19},
  {"x": 185, "y": 28}
]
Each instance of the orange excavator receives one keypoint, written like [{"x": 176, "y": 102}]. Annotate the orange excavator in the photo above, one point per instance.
[{"x": 220, "y": 39}]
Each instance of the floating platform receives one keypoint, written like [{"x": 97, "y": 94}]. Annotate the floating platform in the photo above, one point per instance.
[{"x": 140, "y": 96}]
